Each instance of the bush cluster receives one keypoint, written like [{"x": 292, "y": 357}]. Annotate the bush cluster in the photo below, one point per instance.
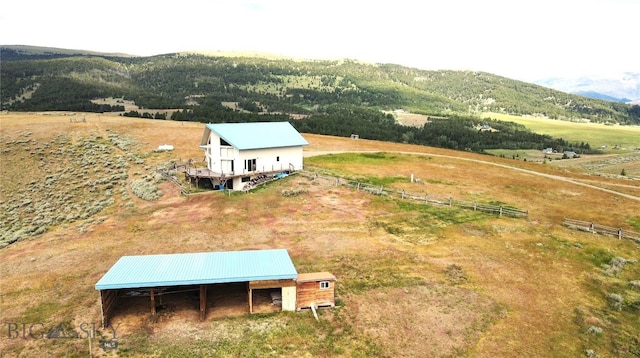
[
  {"x": 70, "y": 179},
  {"x": 146, "y": 189},
  {"x": 293, "y": 192}
]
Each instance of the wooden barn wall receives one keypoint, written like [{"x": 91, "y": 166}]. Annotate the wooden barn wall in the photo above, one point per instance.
[
  {"x": 271, "y": 284},
  {"x": 108, "y": 299},
  {"x": 310, "y": 292}
]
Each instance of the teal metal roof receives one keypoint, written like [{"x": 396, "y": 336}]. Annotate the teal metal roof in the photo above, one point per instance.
[
  {"x": 256, "y": 135},
  {"x": 198, "y": 268}
]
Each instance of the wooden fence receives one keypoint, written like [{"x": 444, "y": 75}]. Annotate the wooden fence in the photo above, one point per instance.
[
  {"x": 169, "y": 173},
  {"x": 422, "y": 198},
  {"x": 601, "y": 229}
]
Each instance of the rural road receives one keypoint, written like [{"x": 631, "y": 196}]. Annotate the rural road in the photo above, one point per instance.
[{"x": 549, "y": 176}]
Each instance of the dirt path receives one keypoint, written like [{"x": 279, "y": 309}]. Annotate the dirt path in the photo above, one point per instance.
[{"x": 532, "y": 172}]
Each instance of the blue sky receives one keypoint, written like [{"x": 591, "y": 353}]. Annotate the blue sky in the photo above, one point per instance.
[{"x": 526, "y": 40}]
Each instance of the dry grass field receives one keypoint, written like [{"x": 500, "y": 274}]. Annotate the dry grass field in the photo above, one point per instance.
[{"x": 413, "y": 280}]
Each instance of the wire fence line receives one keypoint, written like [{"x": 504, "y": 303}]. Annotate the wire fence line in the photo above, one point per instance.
[
  {"x": 590, "y": 226},
  {"x": 421, "y": 198}
]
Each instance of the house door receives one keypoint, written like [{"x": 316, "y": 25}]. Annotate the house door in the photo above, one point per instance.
[{"x": 250, "y": 165}]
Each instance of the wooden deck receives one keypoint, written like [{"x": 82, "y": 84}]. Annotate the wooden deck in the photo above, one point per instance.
[{"x": 204, "y": 173}]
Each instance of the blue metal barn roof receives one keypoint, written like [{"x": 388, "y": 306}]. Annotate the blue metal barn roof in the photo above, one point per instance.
[
  {"x": 256, "y": 135},
  {"x": 198, "y": 268}
]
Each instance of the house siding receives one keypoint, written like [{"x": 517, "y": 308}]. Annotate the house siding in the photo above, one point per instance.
[{"x": 219, "y": 159}]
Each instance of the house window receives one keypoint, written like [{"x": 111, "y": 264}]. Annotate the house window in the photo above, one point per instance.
[
  {"x": 324, "y": 285},
  {"x": 246, "y": 179},
  {"x": 277, "y": 159}
]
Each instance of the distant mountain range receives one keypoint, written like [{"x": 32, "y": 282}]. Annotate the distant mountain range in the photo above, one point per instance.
[
  {"x": 623, "y": 87},
  {"x": 199, "y": 87}
]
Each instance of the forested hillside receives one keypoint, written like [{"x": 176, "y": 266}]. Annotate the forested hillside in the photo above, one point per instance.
[{"x": 326, "y": 97}]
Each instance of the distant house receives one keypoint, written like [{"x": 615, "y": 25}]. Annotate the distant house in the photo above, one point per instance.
[
  {"x": 237, "y": 153},
  {"x": 485, "y": 128},
  {"x": 547, "y": 150},
  {"x": 570, "y": 154}
]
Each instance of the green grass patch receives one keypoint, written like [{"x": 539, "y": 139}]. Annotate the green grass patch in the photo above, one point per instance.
[
  {"x": 612, "y": 324},
  {"x": 377, "y": 158},
  {"x": 279, "y": 334},
  {"x": 634, "y": 222},
  {"x": 360, "y": 273},
  {"x": 41, "y": 313},
  {"x": 447, "y": 215},
  {"x": 597, "y": 135}
]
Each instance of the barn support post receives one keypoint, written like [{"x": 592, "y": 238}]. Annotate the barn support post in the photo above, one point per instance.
[
  {"x": 153, "y": 305},
  {"x": 203, "y": 302},
  {"x": 250, "y": 293}
]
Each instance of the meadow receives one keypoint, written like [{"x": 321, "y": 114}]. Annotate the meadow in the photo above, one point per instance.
[
  {"x": 413, "y": 279},
  {"x": 615, "y": 138}
]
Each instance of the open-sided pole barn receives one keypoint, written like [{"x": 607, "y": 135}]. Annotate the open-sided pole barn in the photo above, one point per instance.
[{"x": 260, "y": 269}]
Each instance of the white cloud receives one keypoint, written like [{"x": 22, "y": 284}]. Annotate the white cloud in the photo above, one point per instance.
[{"x": 519, "y": 39}]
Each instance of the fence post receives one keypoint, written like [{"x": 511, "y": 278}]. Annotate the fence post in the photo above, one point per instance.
[
  {"x": 357, "y": 186},
  {"x": 402, "y": 194},
  {"x": 619, "y": 234},
  {"x": 474, "y": 206},
  {"x": 501, "y": 211},
  {"x": 381, "y": 188},
  {"x": 450, "y": 201},
  {"x": 337, "y": 181},
  {"x": 426, "y": 198}
]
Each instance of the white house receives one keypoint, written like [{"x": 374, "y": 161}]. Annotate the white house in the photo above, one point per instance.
[{"x": 236, "y": 153}]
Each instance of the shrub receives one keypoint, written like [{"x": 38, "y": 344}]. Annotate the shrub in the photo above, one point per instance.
[
  {"x": 145, "y": 190},
  {"x": 595, "y": 330},
  {"x": 616, "y": 300},
  {"x": 615, "y": 266},
  {"x": 592, "y": 354},
  {"x": 293, "y": 192},
  {"x": 455, "y": 273}
]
